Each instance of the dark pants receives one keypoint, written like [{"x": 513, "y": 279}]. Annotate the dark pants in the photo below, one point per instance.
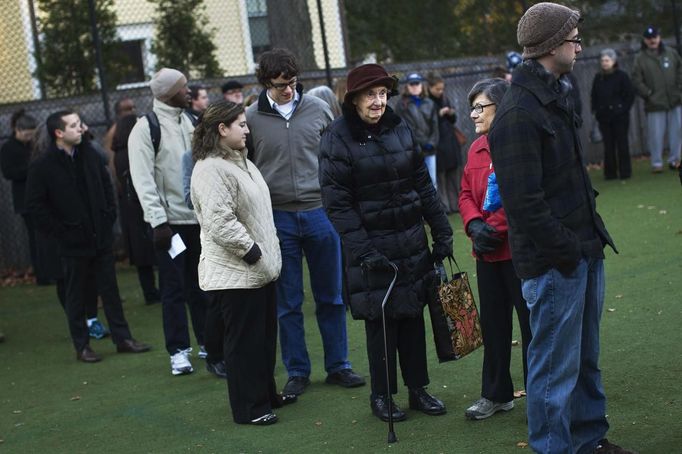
[
  {"x": 41, "y": 277},
  {"x": 215, "y": 329},
  {"x": 499, "y": 291},
  {"x": 616, "y": 149},
  {"x": 405, "y": 337},
  {"x": 250, "y": 349},
  {"x": 83, "y": 277},
  {"x": 145, "y": 274},
  {"x": 448, "y": 189},
  {"x": 179, "y": 281}
]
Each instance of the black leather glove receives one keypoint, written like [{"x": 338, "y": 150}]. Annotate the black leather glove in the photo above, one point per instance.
[
  {"x": 161, "y": 237},
  {"x": 375, "y": 261},
  {"x": 441, "y": 251},
  {"x": 253, "y": 255},
  {"x": 483, "y": 236}
]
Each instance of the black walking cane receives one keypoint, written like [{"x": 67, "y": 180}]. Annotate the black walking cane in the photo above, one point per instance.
[{"x": 391, "y": 434}]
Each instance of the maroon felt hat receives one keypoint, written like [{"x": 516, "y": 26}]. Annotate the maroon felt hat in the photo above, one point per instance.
[{"x": 366, "y": 76}]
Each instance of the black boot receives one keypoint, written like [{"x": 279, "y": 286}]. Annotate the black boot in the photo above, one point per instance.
[
  {"x": 379, "y": 404},
  {"x": 425, "y": 402}
]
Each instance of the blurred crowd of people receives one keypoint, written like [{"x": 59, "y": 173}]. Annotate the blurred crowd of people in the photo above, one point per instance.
[{"x": 220, "y": 202}]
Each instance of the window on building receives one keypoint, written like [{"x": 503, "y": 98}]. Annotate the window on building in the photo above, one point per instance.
[
  {"x": 257, "y": 11},
  {"x": 133, "y": 66}
]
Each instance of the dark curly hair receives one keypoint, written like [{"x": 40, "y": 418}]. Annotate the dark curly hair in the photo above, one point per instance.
[
  {"x": 274, "y": 63},
  {"x": 206, "y": 136}
]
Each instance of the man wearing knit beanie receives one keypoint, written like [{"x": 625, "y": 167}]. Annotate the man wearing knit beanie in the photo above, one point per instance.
[
  {"x": 556, "y": 236},
  {"x": 158, "y": 179}
]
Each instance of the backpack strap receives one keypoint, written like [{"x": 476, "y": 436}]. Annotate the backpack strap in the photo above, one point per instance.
[
  {"x": 191, "y": 117},
  {"x": 154, "y": 130}
]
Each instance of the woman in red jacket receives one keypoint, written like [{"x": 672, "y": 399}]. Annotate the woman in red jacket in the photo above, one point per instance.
[{"x": 499, "y": 289}]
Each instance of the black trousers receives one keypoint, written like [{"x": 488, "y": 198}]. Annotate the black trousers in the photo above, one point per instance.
[
  {"x": 499, "y": 291},
  {"x": 179, "y": 282},
  {"x": 145, "y": 274},
  {"x": 215, "y": 329},
  {"x": 405, "y": 337},
  {"x": 250, "y": 348},
  {"x": 616, "y": 148},
  {"x": 83, "y": 277}
]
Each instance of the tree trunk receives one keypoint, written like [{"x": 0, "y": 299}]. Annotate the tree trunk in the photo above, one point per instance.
[{"x": 291, "y": 28}]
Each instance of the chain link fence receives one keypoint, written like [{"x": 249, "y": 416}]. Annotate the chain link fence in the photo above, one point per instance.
[{"x": 87, "y": 55}]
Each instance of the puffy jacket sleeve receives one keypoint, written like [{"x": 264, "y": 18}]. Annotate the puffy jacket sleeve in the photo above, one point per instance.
[
  {"x": 214, "y": 195},
  {"x": 638, "y": 78},
  {"x": 432, "y": 209},
  {"x": 142, "y": 161},
  {"x": 336, "y": 182}
]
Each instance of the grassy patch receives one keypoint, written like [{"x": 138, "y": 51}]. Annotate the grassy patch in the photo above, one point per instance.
[{"x": 131, "y": 403}]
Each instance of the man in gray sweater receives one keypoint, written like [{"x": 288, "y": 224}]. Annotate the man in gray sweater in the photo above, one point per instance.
[{"x": 284, "y": 144}]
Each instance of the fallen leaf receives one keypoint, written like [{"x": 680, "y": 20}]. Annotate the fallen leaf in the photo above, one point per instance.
[
  {"x": 521, "y": 444},
  {"x": 318, "y": 423},
  {"x": 515, "y": 343},
  {"x": 611, "y": 309},
  {"x": 640, "y": 206},
  {"x": 16, "y": 412},
  {"x": 663, "y": 212},
  {"x": 619, "y": 296},
  {"x": 355, "y": 421},
  {"x": 659, "y": 312},
  {"x": 650, "y": 207},
  {"x": 76, "y": 398}
]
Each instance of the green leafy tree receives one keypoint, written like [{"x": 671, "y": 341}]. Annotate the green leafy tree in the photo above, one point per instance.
[
  {"x": 183, "y": 40},
  {"x": 67, "y": 51}
]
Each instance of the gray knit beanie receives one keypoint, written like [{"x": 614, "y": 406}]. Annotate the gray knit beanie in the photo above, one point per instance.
[
  {"x": 543, "y": 28},
  {"x": 608, "y": 52},
  {"x": 166, "y": 83}
]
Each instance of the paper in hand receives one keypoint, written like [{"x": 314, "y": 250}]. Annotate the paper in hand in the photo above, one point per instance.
[{"x": 177, "y": 246}]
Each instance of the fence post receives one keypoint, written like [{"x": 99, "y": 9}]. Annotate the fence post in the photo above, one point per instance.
[
  {"x": 676, "y": 24},
  {"x": 36, "y": 48},
  {"x": 98, "y": 59},
  {"x": 325, "y": 49}
]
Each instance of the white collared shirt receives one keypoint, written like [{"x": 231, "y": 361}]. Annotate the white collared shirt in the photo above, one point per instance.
[{"x": 285, "y": 110}]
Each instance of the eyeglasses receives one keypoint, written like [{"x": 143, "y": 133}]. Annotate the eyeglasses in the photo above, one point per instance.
[
  {"x": 371, "y": 94},
  {"x": 413, "y": 83},
  {"x": 478, "y": 108},
  {"x": 577, "y": 41},
  {"x": 283, "y": 85}
]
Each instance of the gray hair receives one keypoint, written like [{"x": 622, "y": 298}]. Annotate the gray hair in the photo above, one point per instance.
[
  {"x": 327, "y": 95},
  {"x": 493, "y": 89},
  {"x": 608, "y": 52}
]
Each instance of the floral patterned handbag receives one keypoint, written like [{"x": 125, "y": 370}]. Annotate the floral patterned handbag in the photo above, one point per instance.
[{"x": 454, "y": 316}]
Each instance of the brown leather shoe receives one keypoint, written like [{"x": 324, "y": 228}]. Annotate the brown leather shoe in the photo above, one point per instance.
[
  {"x": 87, "y": 355},
  {"x": 132, "y": 346}
]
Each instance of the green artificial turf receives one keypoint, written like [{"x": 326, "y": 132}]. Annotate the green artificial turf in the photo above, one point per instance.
[{"x": 131, "y": 403}]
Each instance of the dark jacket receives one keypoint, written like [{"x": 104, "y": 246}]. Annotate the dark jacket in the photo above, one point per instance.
[
  {"x": 447, "y": 149},
  {"x": 657, "y": 77},
  {"x": 72, "y": 200},
  {"x": 377, "y": 193},
  {"x": 422, "y": 120},
  {"x": 612, "y": 95},
  {"x": 545, "y": 188},
  {"x": 14, "y": 158}
]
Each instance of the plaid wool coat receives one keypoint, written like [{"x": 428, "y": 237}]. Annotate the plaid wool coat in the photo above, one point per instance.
[{"x": 546, "y": 191}]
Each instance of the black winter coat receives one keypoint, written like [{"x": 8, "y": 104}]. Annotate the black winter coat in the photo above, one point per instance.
[
  {"x": 612, "y": 95},
  {"x": 546, "y": 191},
  {"x": 377, "y": 193},
  {"x": 81, "y": 223},
  {"x": 448, "y": 150},
  {"x": 14, "y": 158}
]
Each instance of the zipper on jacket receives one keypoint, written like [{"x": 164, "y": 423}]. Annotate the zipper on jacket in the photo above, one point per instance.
[{"x": 287, "y": 124}]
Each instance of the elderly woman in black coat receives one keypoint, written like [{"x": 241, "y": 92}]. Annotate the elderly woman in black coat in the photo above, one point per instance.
[{"x": 377, "y": 193}]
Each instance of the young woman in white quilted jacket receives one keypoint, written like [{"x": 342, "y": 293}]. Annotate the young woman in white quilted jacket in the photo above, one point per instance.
[{"x": 240, "y": 260}]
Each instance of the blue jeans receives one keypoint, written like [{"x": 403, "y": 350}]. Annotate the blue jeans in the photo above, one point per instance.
[
  {"x": 566, "y": 402},
  {"x": 657, "y": 124},
  {"x": 430, "y": 162},
  {"x": 310, "y": 233}
]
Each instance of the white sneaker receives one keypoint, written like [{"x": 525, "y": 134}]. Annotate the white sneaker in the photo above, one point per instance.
[
  {"x": 180, "y": 364},
  {"x": 202, "y": 352},
  {"x": 484, "y": 408}
]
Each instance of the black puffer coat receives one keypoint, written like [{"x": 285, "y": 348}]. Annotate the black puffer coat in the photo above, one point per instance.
[{"x": 377, "y": 193}]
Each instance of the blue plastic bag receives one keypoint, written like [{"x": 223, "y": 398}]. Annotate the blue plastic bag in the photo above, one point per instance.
[{"x": 493, "y": 201}]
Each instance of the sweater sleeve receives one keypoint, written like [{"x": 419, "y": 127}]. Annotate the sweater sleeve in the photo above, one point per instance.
[
  {"x": 337, "y": 197},
  {"x": 467, "y": 205}
]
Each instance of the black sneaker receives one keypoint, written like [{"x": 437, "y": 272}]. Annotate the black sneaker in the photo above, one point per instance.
[
  {"x": 346, "y": 378},
  {"x": 605, "y": 447},
  {"x": 218, "y": 369},
  {"x": 296, "y": 385}
]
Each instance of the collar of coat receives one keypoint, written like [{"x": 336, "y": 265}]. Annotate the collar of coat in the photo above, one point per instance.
[
  {"x": 532, "y": 76},
  {"x": 358, "y": 128},
  {"x": 229, "y": 154},
  {"x": 163, "y": 109},
  {"x": 264, "y": 105}
]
